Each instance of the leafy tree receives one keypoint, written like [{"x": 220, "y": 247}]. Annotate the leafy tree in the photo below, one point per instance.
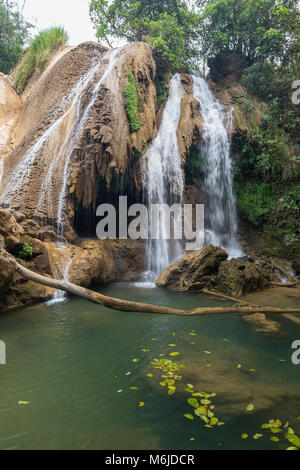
[
  {"x": 170, "y": 26},
  {"x": 14, "y": 32},
  {"x": 258, "y": 30}
]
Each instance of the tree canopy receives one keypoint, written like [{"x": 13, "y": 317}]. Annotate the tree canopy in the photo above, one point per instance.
[
  {"x": 170, "y": 26},
  {"x": 14, "y": 32},
  {"x": 257, "y": 29}
]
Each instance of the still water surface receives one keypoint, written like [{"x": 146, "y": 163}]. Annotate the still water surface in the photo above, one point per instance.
[{"x": 64, "y": 359}]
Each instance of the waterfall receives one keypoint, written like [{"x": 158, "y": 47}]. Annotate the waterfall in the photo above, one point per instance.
[
  {"x": 220, "y": 205},
  {"x": 163, "y": 180},
  {"x": 53, "y": 150},
  {"x": 66, "y": 262}
]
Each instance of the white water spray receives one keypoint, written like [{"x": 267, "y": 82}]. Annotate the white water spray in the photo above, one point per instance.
[
  {"x": 163, "y": 179},
  {"x": 220, "y": 204}
]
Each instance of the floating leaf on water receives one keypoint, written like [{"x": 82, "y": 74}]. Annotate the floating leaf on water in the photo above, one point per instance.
[
  {"x": 163, "y": 384},
  {"x": 21, "y": 402},
  {"x": 145, "y": 350},
  {"x": 207, "y": 352},
  {"x": 193, "y": 334},
  {"x": 208, "y": 365},
  {"x": 239, "y": 366},
  {"x": 214, "y": 421},
  {"x": 274, "y": 439},
  {"x": 257, "y": 436},
  {"x": 252, "y": 370},
  {"x": 205, "y": 402},
  {"x": 220, "y": 423},
  {"x": 189, "y": 416},
  {"x": 135, "y": 360},
  {"x": 150, "y": 375},
  {"x": 226, "y": 340},
  {"x": 281, "y": 360},
  {"x": 115, "y": 377},
  {"x": 193, "y": 402},
  {"x": 201, "y": 411},
  {"x": 174, "y": 354},
  {"x": 292, "y": 448},
  {"x": 171, "y": 391},
  {"x": 173, "y": 334},
  {"x": 208, "y": 426},
  {"x": 190, "y": 386},
  {"x": 250, "y": 407},
  {"x": 192, "y": 438},
  {"x": 291, "y": 436},
  {"x": 141, "y": 403},
  {"x": 244, "y": 436},
  {"x": 119, "y": 391},
  {"x": 275, "y": 430},
  {"x": 204, "y": 418},
  {"x": 172, "y": 345},
  {"x": 133, "y": 388}
]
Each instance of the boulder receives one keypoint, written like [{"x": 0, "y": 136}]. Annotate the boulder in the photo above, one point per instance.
[
  {"x": 238, "y": 277},
  {"x": 209, "y": 268},
  {"x": 193, "y": 271}
]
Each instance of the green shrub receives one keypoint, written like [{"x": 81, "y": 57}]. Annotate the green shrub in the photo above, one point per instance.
[
  {"x": 26, "y": 252},
  {"x": 255, "y": 201},
  {"x": 131, "y": 103},
  {"x": 39, "y": 53}
]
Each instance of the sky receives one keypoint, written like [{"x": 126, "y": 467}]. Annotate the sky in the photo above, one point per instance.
[{"x": 72, "y": 14}]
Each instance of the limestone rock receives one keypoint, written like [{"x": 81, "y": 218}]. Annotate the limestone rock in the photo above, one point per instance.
[
  {"x": 193, "y": 271},
  {"x": 11, "y": 230},
  {"x": 238, "y": 277}
]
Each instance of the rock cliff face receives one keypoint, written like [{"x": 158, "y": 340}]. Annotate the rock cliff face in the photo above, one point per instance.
[{"x": 68, "y": 147}]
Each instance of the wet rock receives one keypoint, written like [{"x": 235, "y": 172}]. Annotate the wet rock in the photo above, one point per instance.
[
  {"x": 193, "y": 271},
  {"x": 238, "y": 277},
  {"x": 209, "y": 268}
]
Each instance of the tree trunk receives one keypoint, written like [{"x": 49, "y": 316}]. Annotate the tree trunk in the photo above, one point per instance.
[{"x": 127, "y": 306}]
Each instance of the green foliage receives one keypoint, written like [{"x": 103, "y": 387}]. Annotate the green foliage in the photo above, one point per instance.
[
  {"x": 131, "y": 96},
  {"x": 171, "y": 27},
  {"x": 40, "y": 50},
  {"x": 26, "y": 252},
  {"x": 257, "y": 30},
  {"x": 194, "y": 166},
  {"x": 14, "y": 32},
  {"x": 255, "y": 201}
]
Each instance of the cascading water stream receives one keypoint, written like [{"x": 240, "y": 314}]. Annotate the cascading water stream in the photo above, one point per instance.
[
  {"x": 55, "y": 147},
  {"x": 163, "y": 180},
  {"x": 220, "y": 205}
]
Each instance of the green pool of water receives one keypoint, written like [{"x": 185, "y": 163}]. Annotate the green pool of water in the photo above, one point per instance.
[{"x": 63, "y": 360}]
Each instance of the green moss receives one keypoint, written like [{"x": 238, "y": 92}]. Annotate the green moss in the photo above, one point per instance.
[{"x": 131, "y": 102}]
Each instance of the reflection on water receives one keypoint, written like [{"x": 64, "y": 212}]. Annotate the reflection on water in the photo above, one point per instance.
[{"x": 75, "y": 362}]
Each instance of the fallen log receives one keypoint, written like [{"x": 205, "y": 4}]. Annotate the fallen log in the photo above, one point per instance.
[{"x": 128, "y": 306}]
